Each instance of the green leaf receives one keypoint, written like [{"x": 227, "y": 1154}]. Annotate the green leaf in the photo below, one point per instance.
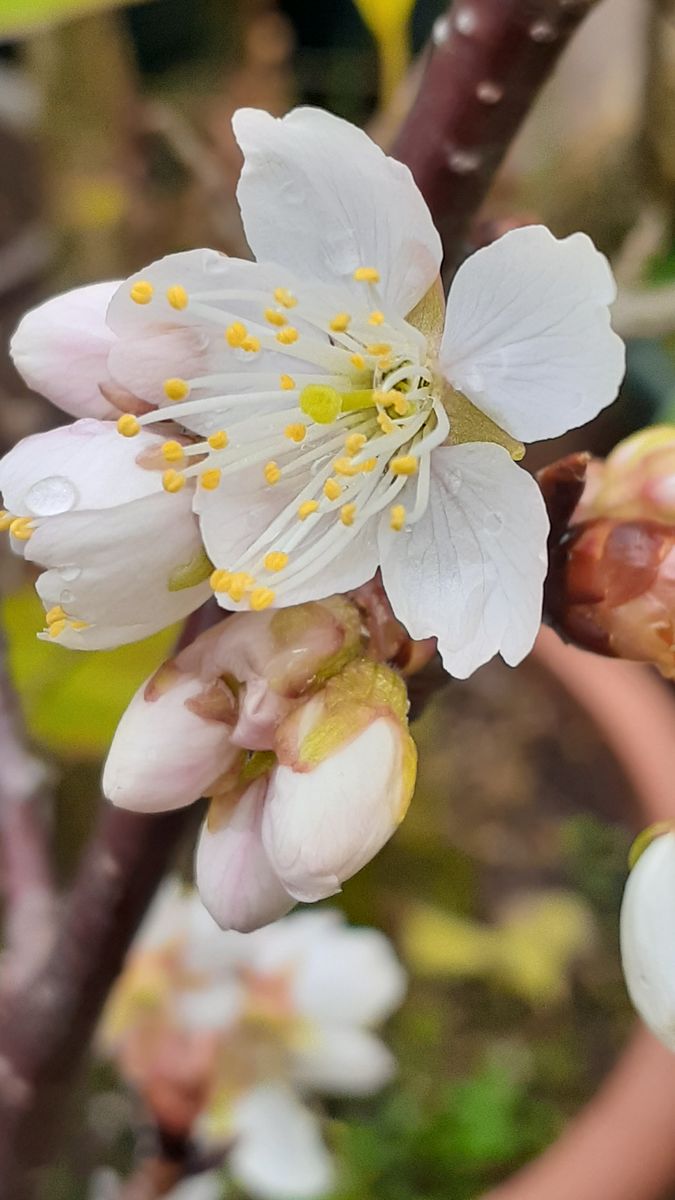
[
  {"x": 73, "y": 699},
  {"x": 18, "y": 18}
]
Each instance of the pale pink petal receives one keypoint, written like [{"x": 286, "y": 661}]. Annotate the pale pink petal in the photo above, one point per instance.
[
  {"x": 61, "y": 349},
  {"x": 165, "y": 753},
  {"x": 236, "y": 880}
]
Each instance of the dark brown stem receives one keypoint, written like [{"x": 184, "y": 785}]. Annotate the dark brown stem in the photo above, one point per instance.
[
  {"x": 487, "y": 62},
  {"x": 45, "y": 1029},
  {"x": 24, "y": 851}
]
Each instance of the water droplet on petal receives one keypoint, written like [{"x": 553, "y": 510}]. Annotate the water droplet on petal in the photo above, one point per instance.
[
  {"x": 51, "y": 496},
  {"x": 319, "y": 464},
  {"x": 66, "y": 597},
  {"x": 70, "y": 573},
  {"x": 453, "y": 483},
  {"x": 493, "y": 523}
]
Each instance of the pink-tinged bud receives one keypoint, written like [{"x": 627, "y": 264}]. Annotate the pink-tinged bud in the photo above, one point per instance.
[
  {"x": 236, "y": 881},
  {"x": 636, "y": 481},
  {"x": 345, "y": 777},
  {"x": 172, "y": 743},
  {"x": 61, "y": 349},
  {"x": 612, "y": 590}
]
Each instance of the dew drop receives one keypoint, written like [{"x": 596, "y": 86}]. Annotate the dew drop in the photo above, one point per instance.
[
  {"x": 66, "y": 597},
  {"x": 493, "y": 523},
  {"x": 319, "y": 463},
  {"x": 453, "y": 483},
  {"x": 70, "y": 574},
  {"x": 489, "y": 92},
  {"x": 466, "y": 21},
  {"x": 543, "y": 31},
  {"x": 463, "y": 162},
  {"x": 51, "y": 496}
]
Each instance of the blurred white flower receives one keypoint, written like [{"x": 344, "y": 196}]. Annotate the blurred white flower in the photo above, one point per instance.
[
  {"x": 225, "y": 1036},
  {"x": 106, "y": 1184},
  {"x": 329, "y": 417},
  {"x": 648, "y": 933}
]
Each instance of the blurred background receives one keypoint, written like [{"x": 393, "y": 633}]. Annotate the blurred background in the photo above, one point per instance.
[{"x": 501, "y": 891}]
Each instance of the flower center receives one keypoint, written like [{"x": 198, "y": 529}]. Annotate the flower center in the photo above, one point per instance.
[{"x": 337, "y": 410}]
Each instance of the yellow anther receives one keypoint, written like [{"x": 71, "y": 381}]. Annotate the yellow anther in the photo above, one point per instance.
[
  {"x": 385, "y": 423},
  {"x": 235, "y": 334},
  {"x": 175, "y": 389},
  {"x": 128, "y": 426},
  {"x": 275, "y": 317},
  {"x": 261, "y": 598},
  {"x": 307, "y": 508},
  {"x": 296, "y": 432},
  {"x": 272, "y": 472},
  {"x": 287, "y": 383},
  {"x": 142, "y": 292},
  {"x": 78, "y": 625},
  {"x": 320, "y": 402},
  {"x": 55, "y": 614},
  {"x": 355, "y": 442},
  {"x": 240, "y": 583},
  {"x": 345, "y": 466},
  {"x": 220, "y": 580},
  {"x": 347, "y": 514},
  {"x": 378, "y": 348},
  {"x": 332, "y": 489},
  {"x": 6, "y": 519},
  {"x": 276, "y": 560},
  {"x": 367, "y": 275},
  {"x": 404, "y": 465},
  {"x": 400, "y": 405},
  {"x": 358, "y": 361},
  {"x": 376, "y": 318},
  {"x": 173, "y": 481},
  {"x": 250, "y": 344},
  {"x": 340, "y": 322},
  {"x": 369, "y": 464},
  {"x": 210, "y": 479},
  {"x": 177, "y": 296},
  {"x": 172, "y": 452},
  {"x": 397, "y": 517},
  {"x": 287, "y": 336},
  {"x": 218, "y": 440},
  {"x": 284, "y": 297},
  {"x": 21, "y": 529},
  {"x": 56, "y": 628}
]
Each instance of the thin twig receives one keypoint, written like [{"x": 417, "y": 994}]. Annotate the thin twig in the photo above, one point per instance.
[{"x": 488, "y": 60}]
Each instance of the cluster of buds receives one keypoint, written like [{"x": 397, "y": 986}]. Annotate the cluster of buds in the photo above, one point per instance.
[
  {"x": 611, "y": 587},
  {"x": 299, "y": 740},
  {"x": 224, "y": 1036}
]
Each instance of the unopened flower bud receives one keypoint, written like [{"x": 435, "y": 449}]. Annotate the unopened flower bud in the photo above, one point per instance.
[
  {"x": 346, "y": 773},
  {"x": 648, "y": 934},
  {"x": 636, "y": 481}
]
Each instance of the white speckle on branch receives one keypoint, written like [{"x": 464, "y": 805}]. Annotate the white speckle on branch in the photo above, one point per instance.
[
  {"x": 466, "y": 21},
  {"x": 440, "y": 31},
  {"x": 489, "y": 92},
  {"x": 543, "y": 31},
  {"x": 463, "y": 162}
]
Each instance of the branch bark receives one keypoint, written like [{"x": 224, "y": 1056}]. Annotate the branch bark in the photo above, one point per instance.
[{"x": 488, "y": 60}]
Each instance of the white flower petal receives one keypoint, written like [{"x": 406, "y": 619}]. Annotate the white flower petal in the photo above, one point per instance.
[
  {"x": 209, "y": 1007},
  {"x": 234, "y": 515},
  {"x": 236, "y": 881},
  {"x": 648, "y": 937},
  {"x": 164, "y": 755},
  {"x": 321, "y": 826},
  {"x": 473, "y": 568},
  {"x": 528, "y": 336},
  {"x": 350, "y": 977},
  {"x": 61, "y": 349},
  {"x": 317, "y": 194},
  {"x": 112, "y": 567},
  {"x": 279, "y": 1153},
  {"x": 343, "y": 1062}
]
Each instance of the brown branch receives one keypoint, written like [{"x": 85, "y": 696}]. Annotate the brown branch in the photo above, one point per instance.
[
  {"x": 24, "y": 853},
  {"x": 487, "y": 62},
  {"x": 45, "y": 1029}
]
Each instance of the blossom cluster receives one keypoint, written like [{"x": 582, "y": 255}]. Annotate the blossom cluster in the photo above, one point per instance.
[{"x": 226, "y": 1036}]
